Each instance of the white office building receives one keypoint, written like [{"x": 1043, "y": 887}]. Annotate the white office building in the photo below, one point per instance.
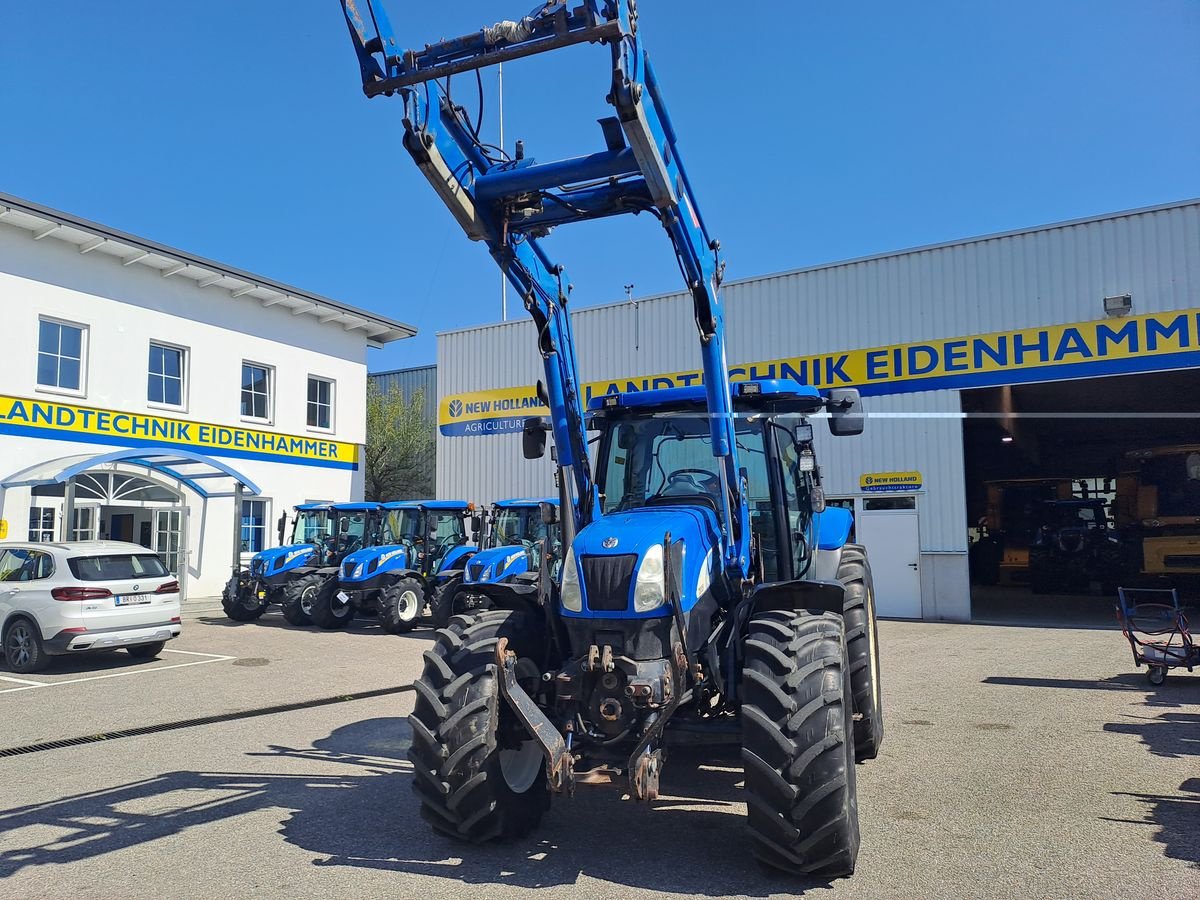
[{"x": 153, "y": 396}]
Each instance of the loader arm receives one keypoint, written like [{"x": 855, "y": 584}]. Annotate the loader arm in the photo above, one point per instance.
[{"x": 510, "y": 204}]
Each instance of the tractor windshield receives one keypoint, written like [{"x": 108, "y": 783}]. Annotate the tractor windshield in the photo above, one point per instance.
[
  {"x": 401, "y": 525},
  {"x": 516, "y": 526},
  {"x": 312, "y": 526}
]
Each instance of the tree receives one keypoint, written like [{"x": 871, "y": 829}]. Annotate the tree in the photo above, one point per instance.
[{"x": 400, "y": 446}]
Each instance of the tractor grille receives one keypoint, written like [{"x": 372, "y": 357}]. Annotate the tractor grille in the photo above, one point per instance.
[
  {"x": 607, "y": 580},
  {"x": 348, "y": 568},
  {"x": 475, "y": 570}
]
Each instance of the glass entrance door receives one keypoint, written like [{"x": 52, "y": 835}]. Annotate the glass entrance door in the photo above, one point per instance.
[{"x": 170, "y": 542}]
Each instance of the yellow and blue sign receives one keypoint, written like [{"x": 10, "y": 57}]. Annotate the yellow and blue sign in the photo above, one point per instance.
[
  {"x": 1146, "y": 343},
  {"x": 68, "y": 422},
  {"x": 889, "y": 482}
]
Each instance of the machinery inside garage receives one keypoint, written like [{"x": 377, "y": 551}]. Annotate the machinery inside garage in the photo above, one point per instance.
[{"x": 1077, "y": 487}]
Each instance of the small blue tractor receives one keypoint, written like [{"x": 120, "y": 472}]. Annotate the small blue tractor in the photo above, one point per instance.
[
  {"x": 417, "y": 563},
  {"x": 523, "y": 541},
  {"x": 707, "y": 593},
  {"x": 295, "y": 574}
]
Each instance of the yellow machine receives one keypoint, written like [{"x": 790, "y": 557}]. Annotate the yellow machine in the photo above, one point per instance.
[{"x": 1158, "y": 499}]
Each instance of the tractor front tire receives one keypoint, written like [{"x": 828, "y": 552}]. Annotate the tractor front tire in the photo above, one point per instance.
[
  {"x": 862, "y": 646},
  {"x": 298, "y": 599},
  {"x": 441, "y": 601},
  {"x": 240, "y": 603},
  {"x": 400, "y": 606},
  {"x": 328, "y": 612},
  {"x": 797, "y": 744},
  {"x": 478, "y": 775}
]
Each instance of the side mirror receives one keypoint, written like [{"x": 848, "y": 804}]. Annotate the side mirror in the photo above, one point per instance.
[
  {"x": 627, "y": 437},
  {"x": 281, "y": 526},
  {"x": 548, "y": 512},
  {"x": 344, "y": 524},
  {"x": 477, "y": 526},
  {"x": 818, "y": 499},
  {"x": 533, "y": 437},
  {"x": 846, "y": 417}
]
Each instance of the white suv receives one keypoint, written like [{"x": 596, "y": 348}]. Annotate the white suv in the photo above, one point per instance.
[{"x": 58, "y": 599}]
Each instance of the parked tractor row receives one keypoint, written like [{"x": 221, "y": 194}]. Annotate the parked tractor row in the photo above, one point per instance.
[{"x": 407, "y": 562}]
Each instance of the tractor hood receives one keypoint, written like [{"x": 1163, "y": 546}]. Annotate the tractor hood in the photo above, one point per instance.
[
  {"x": 277, "y": 559},
  {"x": 497, "y": 563},
  {"x": 611, "y": 550},
  {"x": 369, "y": 561}
]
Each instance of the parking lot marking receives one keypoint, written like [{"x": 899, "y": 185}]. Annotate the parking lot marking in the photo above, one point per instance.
[
  {"x": 30, "y": 685},
  {"x": 22, "y": 681}
]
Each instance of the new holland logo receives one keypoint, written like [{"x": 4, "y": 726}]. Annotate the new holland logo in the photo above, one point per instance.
[
  {"x": 456, "y": 408},
  {"x": 608, "y": 543}
]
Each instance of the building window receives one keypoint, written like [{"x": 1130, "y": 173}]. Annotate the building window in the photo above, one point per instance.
[
  {"x": 60, "y": 355},
  {"x": 41, "y": 524},
  {"x": 256, "y": 391},
  {"x": 320, "y": 403},
  {"x": 166, "y": 374},
  {"x": 254, "y": 526}
]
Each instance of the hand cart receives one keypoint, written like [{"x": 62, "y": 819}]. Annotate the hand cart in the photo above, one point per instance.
[{"x": 1157, "y": 631}]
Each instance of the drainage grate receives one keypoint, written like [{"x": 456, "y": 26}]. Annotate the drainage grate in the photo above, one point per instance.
[{"x": 203, "y": 720}]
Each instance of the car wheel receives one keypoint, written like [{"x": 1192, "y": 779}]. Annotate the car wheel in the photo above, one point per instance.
[
  {"x": 23, "y": 650},
  {"x": 146, "y": 651}
]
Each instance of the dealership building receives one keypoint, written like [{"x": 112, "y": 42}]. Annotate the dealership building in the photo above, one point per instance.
[
  {"x": 1042, "y": 355},
  {"x": 153, "y": 396}
]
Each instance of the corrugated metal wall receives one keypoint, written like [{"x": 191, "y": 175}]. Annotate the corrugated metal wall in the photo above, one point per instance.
[
  {"x": 1059, "y": 274},
  {"x": 408, "y": 382}
]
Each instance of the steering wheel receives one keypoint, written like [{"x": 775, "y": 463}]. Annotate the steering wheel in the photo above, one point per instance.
[{"x": 699, "y": 480}]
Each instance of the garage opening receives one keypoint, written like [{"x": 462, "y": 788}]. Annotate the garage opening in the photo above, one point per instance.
[{"x": 1077, "y": 487}]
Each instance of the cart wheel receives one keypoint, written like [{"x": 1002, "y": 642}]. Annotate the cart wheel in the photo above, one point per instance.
[{"x": 1157, "y": 675}]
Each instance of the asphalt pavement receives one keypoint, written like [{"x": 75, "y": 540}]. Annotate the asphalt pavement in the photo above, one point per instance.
[{"x": 1017, "y": 762}]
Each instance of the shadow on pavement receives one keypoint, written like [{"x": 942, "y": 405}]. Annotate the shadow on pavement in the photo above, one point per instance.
[
  {"x": 1175, "y": 736},
  {"x": 691, "y": 841},
  {"x": 358, "y": 626},
  {"x": 89, "y": 663}
]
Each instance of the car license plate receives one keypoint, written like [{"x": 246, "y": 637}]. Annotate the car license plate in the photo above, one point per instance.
[
  {"x": 133, "y": 600},
  {"x": 343, "y": 596}
]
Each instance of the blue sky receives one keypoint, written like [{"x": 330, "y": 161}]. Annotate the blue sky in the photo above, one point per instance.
[{"x": 812, "y": 132}]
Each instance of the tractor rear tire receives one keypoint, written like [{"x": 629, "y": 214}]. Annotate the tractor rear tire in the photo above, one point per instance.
[
  {"x": 797, "y": 746},
  {"x": 400, "y": 606},
  {"x": 862, "y": 646},
  {"x": 478, "y": 776},
  {"x": 441, "y": 601},
  {"x": 328, "y": 612},
  {"x": 298, "y": 598},
  {"x": 241, "y": 605}
]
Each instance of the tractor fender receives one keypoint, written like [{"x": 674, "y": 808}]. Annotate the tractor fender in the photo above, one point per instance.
[
  {"x": 813, "y": 596},
  {"x": 456, "y": 558}
]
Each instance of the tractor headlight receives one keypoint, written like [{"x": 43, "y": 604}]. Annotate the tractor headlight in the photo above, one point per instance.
[
  {"x": 572, "y": 596},
  {"x": 650, "y": 592}
]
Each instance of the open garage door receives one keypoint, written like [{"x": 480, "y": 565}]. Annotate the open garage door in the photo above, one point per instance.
[{"x": 1074, "y": 487}]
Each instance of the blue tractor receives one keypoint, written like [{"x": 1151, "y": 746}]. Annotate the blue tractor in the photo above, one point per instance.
[
  {"x": 416, "y": 565},
  {"x": 294, "y": 575},
  {"x": 523, "y": 542},
  {"x": 707, "y": 593}
]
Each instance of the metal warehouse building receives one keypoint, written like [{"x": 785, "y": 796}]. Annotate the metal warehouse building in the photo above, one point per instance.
[
  {"x": 152, "y": 396},
  {"x": 1043, "y": 356}
]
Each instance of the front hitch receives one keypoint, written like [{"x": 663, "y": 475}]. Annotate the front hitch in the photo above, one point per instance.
[{"x": 560, "y": 764}]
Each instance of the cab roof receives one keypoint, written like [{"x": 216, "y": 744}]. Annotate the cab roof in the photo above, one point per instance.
[
  {"x": 426, "y": 504},
  {"x": 356, "y": 507},
  {"x": 313, "y": 507},
  {"x": 779, "y": 394},
  {"x": 523, "y": 502}
]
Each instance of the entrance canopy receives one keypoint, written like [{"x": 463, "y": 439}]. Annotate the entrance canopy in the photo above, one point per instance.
[{"x": 205, "y": 475}]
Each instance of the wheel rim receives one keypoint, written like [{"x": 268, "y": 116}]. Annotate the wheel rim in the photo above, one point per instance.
[
  {"x": 408, "y": 605},
  {"x": 306, "y": 600},
  {"x": 250, "y": 600},
  {"x": 520, "y": 767},
  {"x": 20, "y": 645}
]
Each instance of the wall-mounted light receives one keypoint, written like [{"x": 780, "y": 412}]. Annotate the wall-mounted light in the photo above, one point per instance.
[
  {"x": 1006, "y": 438},
  {"x": 1118, "y": 305}
]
